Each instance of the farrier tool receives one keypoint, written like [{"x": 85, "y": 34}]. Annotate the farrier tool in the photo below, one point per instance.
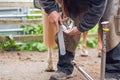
[
  {"x": 62, "y": 27},
  {"x": 87, "y": 76},
  {"x": 61, "y": 40},
  {"x": 105, "y": 29}
]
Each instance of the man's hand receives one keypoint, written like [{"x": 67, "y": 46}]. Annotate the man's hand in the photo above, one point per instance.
[
  {"x": 73, "y": 31},
  {"x": 55, "y": 18}
]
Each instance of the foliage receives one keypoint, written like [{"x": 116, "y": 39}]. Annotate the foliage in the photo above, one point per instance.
[
  {"x": 35, "y": 29},
  {"x": 93, "y": 30},
  {"x": 8, "y": 45},
  {"x": 91, "y": 42},
  {"x": 11, "y": 45},
  {"x": 32, "y": 45},
  {"x": 34, "y": 17}
]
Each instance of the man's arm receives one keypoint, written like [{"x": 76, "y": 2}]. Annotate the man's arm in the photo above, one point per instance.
[
  {"x": 49, "y": 5},
  {"x": 52, "y": 8},
  {"x": 92, "y": 15}
]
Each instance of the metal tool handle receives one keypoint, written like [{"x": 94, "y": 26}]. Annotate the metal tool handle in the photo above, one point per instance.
[
  {"x": 61, "y": 40},
  {"x": 103, "y": 58},
  {"x": 88, "y": 77}
]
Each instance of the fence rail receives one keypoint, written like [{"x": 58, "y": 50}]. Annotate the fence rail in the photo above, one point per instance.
[
  {"x": 33, "y": 37},
  {"x": 16, "y": 4},
  {"x": 18, "y": 21},
  {"x": 23, "y": 37},
  {"x": 19, "y": 15},
  {"x": 16, "y": 12},
  {"x": 16, "y": 0}
]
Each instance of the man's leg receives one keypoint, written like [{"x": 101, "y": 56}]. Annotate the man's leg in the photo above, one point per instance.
[
  {"x": 64, "y": 63},
  {"x": 113, "y": 63},
  {"x": 64, "y": 66}
]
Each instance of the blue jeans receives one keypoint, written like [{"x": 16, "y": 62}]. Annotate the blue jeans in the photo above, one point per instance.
[
  {"x": 113, "y": 63},
  {"x": 64, "y": 63}
]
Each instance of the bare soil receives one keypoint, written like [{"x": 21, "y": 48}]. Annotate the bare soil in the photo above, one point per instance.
[{"x": 31, "y": 65}]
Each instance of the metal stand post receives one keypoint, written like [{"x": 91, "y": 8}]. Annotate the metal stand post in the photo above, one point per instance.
[{"x": 103, "y": 58}]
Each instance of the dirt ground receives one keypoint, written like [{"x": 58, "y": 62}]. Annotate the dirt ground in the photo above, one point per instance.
[{"x": 31, "y": 65}]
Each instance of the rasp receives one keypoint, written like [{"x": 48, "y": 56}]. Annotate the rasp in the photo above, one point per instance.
[{"x": 61, "y": 40}]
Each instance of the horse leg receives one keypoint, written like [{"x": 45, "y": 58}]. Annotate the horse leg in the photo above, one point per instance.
[
  {"x": 50, "y": 63},
  {"x": 84, "y": 52},
  {"x": 99, "y": 43}
]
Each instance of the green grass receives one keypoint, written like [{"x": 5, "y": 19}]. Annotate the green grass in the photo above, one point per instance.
[{"x": 92, "y": 41}]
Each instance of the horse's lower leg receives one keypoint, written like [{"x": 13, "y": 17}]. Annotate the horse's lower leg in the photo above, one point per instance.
[
  {"x": 84, "y": 39},
  {"x": 84, "y": 52},
  {"x": 99, "y": 44},
  {"x": 50, "y": 63}
]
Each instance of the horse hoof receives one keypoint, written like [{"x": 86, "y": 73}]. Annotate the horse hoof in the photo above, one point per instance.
[
  {"x": 50, "y": 70},
  {"x": 84, "y": 53},
  {"x": 99, "y": 53}
]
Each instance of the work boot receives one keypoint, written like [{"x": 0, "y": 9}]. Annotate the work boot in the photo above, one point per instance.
[{"x": 59, "y": 76}]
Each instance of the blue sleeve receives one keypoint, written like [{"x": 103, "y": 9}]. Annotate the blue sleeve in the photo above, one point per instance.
[
  {"x": 49, "y": 5},
  {"x": 92, "y": 15}
]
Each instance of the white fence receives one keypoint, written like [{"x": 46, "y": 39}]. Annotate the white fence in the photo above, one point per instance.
[
  {"x": 13, "y": 13},
  {"x": 16, "y": 0}
]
